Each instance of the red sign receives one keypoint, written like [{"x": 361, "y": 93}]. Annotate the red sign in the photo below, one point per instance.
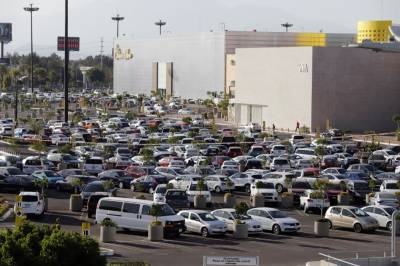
[{"x": 73, "y": 43}]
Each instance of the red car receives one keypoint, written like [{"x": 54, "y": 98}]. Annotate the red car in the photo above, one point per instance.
[
  {"x": 166, "y": 160},
  {"x": 135, "y": 171},
  {"x": 234, "y": 152}
]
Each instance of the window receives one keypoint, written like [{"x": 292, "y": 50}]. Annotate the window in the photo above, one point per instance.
[
  {"x": 380, "y": 212},
  {"x": 145, "y": 210},
  {"x": 369, "y": 209},
  {"x": 131, "y": 208},
  {"x": 185, "y": 215},
  {"x": 111, "y": 205},
  {"x": 335, "y": 211},
  {"x": 347, "y": 213},
  {"x": 194, "y": 217},
  {"x": 226, "y": 215}
]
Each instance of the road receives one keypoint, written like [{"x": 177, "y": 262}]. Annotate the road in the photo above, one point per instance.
[{"x": 189, "y": 249}]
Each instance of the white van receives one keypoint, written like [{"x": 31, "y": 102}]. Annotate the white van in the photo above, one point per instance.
[
  {"x": 134, "y": 214},
  {"x": 31, "y": 164},
  {"x": 94, "y": 165}
]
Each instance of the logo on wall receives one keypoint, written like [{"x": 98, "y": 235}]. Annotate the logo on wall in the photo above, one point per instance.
[{"x": 121, "y": 54}]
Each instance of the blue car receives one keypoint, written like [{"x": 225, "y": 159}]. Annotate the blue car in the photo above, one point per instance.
[{"x": 51, "y": 176}]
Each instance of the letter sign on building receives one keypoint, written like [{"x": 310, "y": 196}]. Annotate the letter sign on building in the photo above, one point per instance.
[{"x": 303, "y": 68}]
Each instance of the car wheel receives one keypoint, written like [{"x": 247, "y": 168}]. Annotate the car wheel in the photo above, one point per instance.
[
  {"x": 204, "y": 232},
  {"x": 357, "y": 228},
  {"x": 121, "y": 185},
  {"x": 58, "y": 188},
  {"x": 217, "y": 189},
  {"x": 276, "y": 229},
  {"x": 330, "y": 225},
  {"x": 133, "y": 188},
  {"x": 279, "y": 188},
  {"x": 389, "y": 226},
  {"x": 247, "y": 188}
]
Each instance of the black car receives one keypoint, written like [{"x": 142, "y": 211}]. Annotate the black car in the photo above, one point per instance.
[
  {"x": 253, "y": 164},
  {"x": 92, "y": 202},
  {"x": 147, "y": 183},
  {"x": 95, "y": 187},
  {"x": 74, "y": 183},
  {"x": 16, "y": 183},
  {"x": 120, "y": 178},
  {"x": 177, "y": 199}
]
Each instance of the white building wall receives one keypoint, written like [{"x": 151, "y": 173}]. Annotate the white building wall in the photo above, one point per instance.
[
  {"x": 279, "y": 80},
  {"x": 198, "y": 64}
]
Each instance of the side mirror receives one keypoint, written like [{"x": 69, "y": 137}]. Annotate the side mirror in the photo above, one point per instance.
[{"x": 230, "y": 218}]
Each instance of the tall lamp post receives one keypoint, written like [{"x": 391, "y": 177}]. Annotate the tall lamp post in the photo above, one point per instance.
[
  {"x": 160, "y": 24},
  {"x": 117, "y": 19},
  {"x": 287, "y": 25},
  {"x": 66, "y": 64},
  {"x": 31, "y": 9}
]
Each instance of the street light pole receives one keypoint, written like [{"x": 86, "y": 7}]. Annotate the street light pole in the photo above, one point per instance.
[
  {"x": 160, "y": 24},
  {"x": 66, "y": 64},
  {"x": 31, "y": 9},
  {"x": 117, "y": 19},
  {"x": 287, "y": 25},
  {"x": 394, "y": 229}
]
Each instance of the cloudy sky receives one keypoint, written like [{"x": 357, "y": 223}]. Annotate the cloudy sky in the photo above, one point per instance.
[{"x": 91, "y": 19}]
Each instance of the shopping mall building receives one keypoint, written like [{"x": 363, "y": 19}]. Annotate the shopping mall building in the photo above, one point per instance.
[{"x": 190, "y": 65}]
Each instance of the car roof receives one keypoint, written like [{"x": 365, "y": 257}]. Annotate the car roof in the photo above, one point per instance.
[
  {"x": 226, "y": 210},
  {"x": 195, "y": 211},
  {"x": 265, "y": 209},
  {"x": 29, "y": 193}
]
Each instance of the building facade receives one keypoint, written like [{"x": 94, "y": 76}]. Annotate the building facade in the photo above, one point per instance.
[
  {"x": 349, "y": 88},
  {"x": 190, "y": 65},
  {"x": 374, "y": 30}
]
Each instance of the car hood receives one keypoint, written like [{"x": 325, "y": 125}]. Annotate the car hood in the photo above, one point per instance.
[{"x": 288, "y": 220}]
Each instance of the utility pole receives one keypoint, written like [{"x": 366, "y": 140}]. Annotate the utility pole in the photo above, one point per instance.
[
  {"x": 66, "y": 64},
  {"x": 101, "y": 53},
  {"x": 31, "y": 9},
  {"x": 160, "y": 24}
]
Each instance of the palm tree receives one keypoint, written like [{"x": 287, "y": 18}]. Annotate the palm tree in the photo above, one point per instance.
[{"x": 396, "y": 119}]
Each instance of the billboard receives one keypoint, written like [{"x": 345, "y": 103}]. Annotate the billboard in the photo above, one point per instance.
[
  {"x": 5, "y": 32},
  {"x": 73, "y": 43}
]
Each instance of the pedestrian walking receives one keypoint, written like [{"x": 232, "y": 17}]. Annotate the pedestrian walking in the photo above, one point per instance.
[{"x": 297, "y": 126}]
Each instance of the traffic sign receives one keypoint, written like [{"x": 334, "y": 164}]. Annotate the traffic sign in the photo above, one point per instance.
[
  {"x": 73, "y": 43},
  {"x": 237, "y": 261},
  {"x": 86, "y": 229}
]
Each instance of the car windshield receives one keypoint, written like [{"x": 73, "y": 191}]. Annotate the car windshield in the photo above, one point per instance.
[
  {"x": 265, "y": 185},
  {"x": 161, "y": 190},
  {"x": 389, "y": 210},
  {"x": 166, "y": 210},
  {"x": 94, "y": 188},
  {"x": 281, "y": 162},
  {"x": 391, "y": 152},
  {"x": 341, "y": 171},
  {"x": 29, "y": 198},
  {"x": 177, "y": 194},
  {"x": 14, "y": 171},
  {"x": 358, "y": 212},
  {"x": 193, "y": 187},
  {"x": 361, "y": 186},
  {"x": 207, "y": 217},
  {"x": 240, "y": 216},
  {"x": 387, "y": 196},
  {"x": 278, "y": 214}
]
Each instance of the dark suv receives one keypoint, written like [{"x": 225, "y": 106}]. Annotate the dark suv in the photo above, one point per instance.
[{"x": 177, "y": 199}]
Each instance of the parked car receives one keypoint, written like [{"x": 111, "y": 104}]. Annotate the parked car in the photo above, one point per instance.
[
  {"x": 193, "y": 190},
  {"x": 74, "y": 183},
  {"x": 384, "y": 198},
  {"x": 311, "y": 200},
  {"x": 32, "y": 203},
  {"x": 183, "y": 181},
  {"x": 265, "y": 188},
  {"x": 280, "y": 164},
  {"x": 203, "y": 222},
  {"x": 92, "y": 202},
  {"x": 94, "y": 187},
  {"x": 177, "y": 199},
  {"x": 390, "y": 186},
  {"x": 120, "y": 178},
  {"x": 93, "y": 165},
  {"x": 147, "y": 183},
  {"x": 351, "y": 217},
  {"x": 219, "y": 183},
  {"x": 382, "y": 213},
  {"x": 274, "y": 220},
  {"x": 159, "y": 193},
  {"x": 230, "y": 215},
  {"x": 51, "y": 176},
  {"x": 134, "y": 214}
]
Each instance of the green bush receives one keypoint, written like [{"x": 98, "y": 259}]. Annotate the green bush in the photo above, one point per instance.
[{"x": 42, "y": 245}]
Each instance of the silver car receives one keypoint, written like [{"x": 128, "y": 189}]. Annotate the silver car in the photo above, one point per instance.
[{"x": 203, "y": 222}]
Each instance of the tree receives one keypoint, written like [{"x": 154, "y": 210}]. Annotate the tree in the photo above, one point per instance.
[
  {"x": 147, "y": 155},
  {"x": 396, "y": 119},
  {"x": 42, "y": 245},
  {"x": 35, "y": 125},
  {"x": 96, "y": 75}
]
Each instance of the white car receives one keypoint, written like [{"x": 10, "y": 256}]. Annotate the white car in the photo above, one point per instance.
[
  {"x": 384, "y": 198},
  {"x": 193, "y": 191},
  {"x": 219, "y": 183},
  {"x": 265, "y": 188},
  {"x": 279, "y": 179},
  {"x": 190, "y": 152},
  {"x": 274, "y": 220},
  {"x": 390, "y": 186},
  {"x": 32, "y": 203},
  {"x": 183, "y": 181},
  {"x": 309, "y": 201},
  {"x": 230, "y": 164},
  {"x": 278, "y": 150},
  {"x": 185, "y": 111},
  {"x": 229, "y": 216},
  {"x": 306, "y": 153},
  {"x": 296, "y": 139},
  {"x": 382, "y": 213},
  {"x": 159, "y": 193},
  {"x": 242, "y": 181},
  {"x": 280, "y": 164},
  {"x": 203, "y": 222}
]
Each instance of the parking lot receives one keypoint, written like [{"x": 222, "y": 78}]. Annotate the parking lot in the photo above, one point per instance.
[{"x": 189, "y": 249}]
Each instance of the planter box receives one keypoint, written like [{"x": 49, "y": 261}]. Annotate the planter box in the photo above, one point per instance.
[
  {"x": 343, "y": 199},
  {"x": 46, "y": 204},
  {"x": 257, "y": 201},
  {"x": 75, "y": 203},
  {"x": 200, "y": 202},
  {"x": 287, "y": 201},
  {"x": 107, "y": 234},
  {"x": 229, "y": 201},
  {"x": 155, "y": 232},
  {"x": 321, "y": 229},
  {"x": 240, "y": 231}
]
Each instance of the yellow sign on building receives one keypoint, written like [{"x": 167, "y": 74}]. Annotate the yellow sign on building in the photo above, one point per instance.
[
  {"x": 311, "y": 39},
  {"x": 374, "y": 30}
]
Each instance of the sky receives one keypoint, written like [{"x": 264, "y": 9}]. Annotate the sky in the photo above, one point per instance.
[{"x": 91, "y": 19}]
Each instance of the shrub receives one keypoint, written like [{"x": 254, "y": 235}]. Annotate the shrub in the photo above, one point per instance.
[
  {"x": 241, "y": 208},
  {"x": 108, "y": 223}
]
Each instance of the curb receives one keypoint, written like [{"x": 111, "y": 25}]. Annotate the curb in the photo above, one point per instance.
[
  {"x": 106, "y": 252},
  {"x": 7, "y": 215}
]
